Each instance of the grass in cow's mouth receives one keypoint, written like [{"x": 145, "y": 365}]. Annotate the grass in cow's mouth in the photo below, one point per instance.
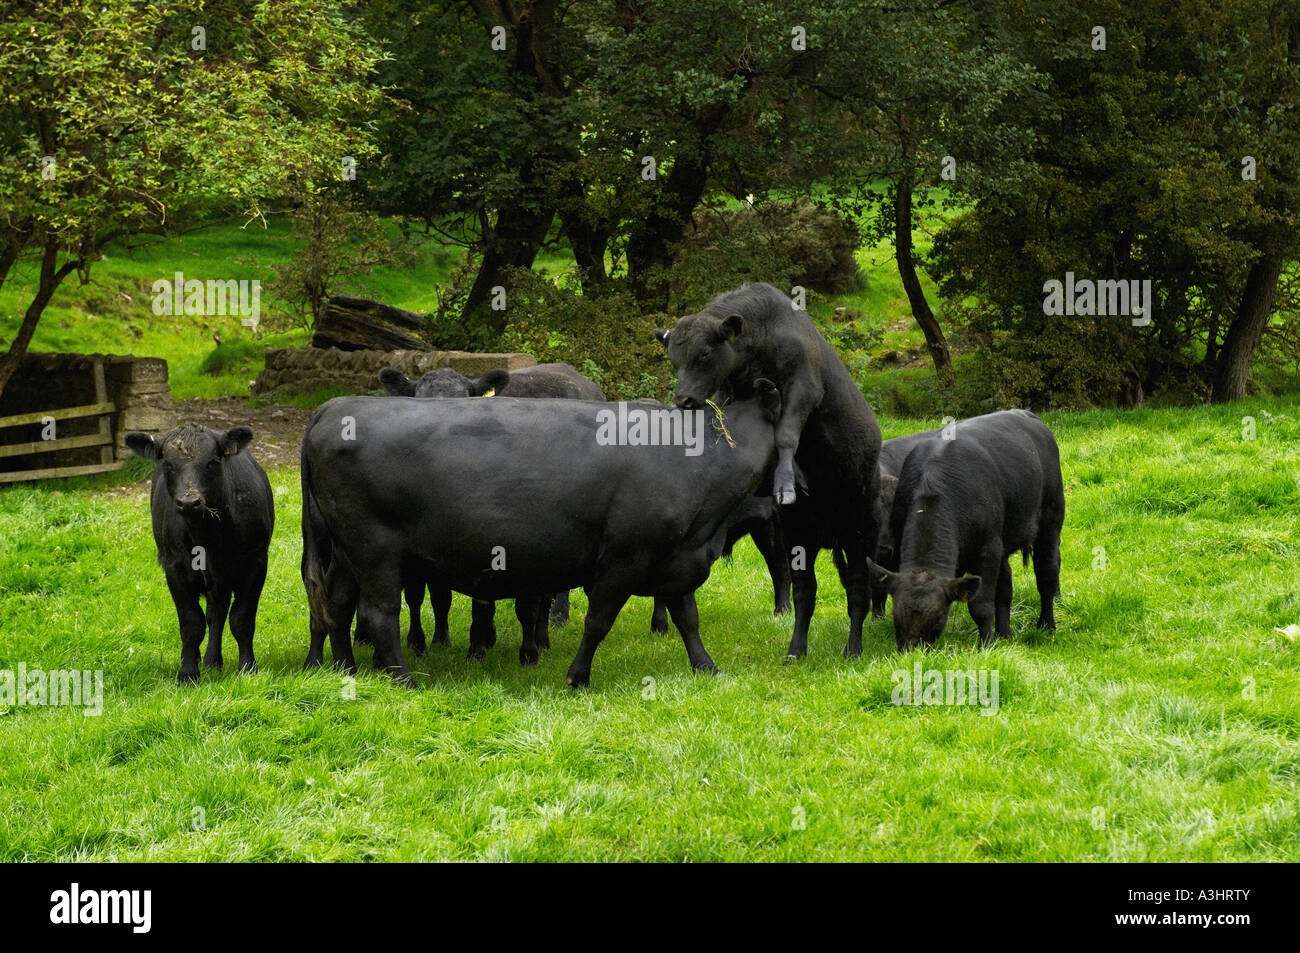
[
  {"x": 1158, "y": 723},
  {"x": 720, "y": 423}
]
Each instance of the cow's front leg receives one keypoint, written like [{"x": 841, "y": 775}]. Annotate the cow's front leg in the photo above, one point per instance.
[
  {"x": 659, "y": 618},
  {"x": 190, "y": 615},
  {"x": 1002, "y": 603},
  {"x": 218, "y": 609},
  {"x": 686, "y": 617},
  {"x": 243, "y": 617},
  {"x": 440, "y": 606},
  {"x": 604, "y": 602},
  {"x": 415, "y": 640}
]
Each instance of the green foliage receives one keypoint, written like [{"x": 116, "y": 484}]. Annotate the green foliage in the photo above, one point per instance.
[
  {"x": 338, "y": 243},
  {"x": 240, "y": 356},
  {"x": 609, "y": 336}
]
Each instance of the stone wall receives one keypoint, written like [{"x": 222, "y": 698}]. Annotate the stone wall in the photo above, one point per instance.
[{"x": 302, "y": 370}]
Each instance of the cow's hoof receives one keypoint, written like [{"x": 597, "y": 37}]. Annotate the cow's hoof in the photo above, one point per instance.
[
  {"x": 416, "y": 648},
  {"x": 793, "y": 657},
  {"x": 247, "y": 668},
  {"x": 476, "y": 653},
  {"x": 853, "y": 651},
  {"x": 441, "y": 638},
  {"x": 785, "y": 496},
  {"x": 707, "y": 669},
  {"x": 404, "y": 679},
  {"x": 187, "y": 676},
  {"x": 214, "y": 663},
  {"x": 543, "y": 641},
  {"x": 578, "y": 679},
  {"x": 528, "y": 655},
  {"x": 1047, "y": 625},
  {"x": 561, "y": 619},
  {"x": 314, "y": 661},
  {"x": 781, "y": 609}
]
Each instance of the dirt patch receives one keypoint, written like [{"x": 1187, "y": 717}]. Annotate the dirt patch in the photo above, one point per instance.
[{"x": 277, "y": 430}]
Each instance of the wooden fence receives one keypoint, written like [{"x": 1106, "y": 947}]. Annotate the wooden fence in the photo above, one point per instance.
[{"x": 103, "y": 408}]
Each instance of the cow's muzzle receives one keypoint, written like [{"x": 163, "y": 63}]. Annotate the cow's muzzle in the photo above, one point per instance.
[{"x": 685, "y": 402}]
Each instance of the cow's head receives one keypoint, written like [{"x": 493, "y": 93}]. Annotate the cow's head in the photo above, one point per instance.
[
  {"x": 443, "y": 382},
  {"x": 922, "y": 601},
  {"x": 192, "y": 461},
  {"x": 705, "y": 350}
]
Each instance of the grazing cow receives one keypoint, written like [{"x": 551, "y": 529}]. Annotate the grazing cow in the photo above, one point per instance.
[
  {"x": 827, "y": 431},
  {"x": 892, "y": 454},
  {"x": 962, "y": 508},
  {"x": 213, "y": 515},
  {"x": 541, "y": 380},
  {"x": 509, "y": 498}
]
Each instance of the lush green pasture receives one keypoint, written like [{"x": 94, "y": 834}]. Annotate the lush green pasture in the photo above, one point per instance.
[{"x": 1160, "y": 722}]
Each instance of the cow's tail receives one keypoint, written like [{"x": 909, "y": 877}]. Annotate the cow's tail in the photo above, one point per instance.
[{"x": 316, "y": 546}]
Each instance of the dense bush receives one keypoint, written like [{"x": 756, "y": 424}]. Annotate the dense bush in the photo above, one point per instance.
[
  {"x": 785, "y": 243},
  {"x": 608, "y": 339}
]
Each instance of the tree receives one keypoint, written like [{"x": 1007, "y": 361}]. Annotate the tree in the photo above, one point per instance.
[{"x": 120, "y": 118}]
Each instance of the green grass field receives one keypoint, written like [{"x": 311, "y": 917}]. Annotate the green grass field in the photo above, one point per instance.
[{"x": 1160, "y": 722}]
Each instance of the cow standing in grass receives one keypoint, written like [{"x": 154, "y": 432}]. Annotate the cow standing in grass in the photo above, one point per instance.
[
  {"x": 963, "y": 506},
  {"x": 213, "y": 515},
  {"x": 542, "y": 380},
  {"x": 827, "y": 431}
]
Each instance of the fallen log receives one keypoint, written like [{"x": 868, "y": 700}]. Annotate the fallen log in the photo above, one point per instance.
[{"x": 358, "y": 324}]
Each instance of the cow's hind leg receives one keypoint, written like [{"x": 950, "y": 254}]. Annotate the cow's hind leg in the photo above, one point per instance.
[
  {"x": 659, "y": 618},
  {"x": 1047, "y": 573},
  {"x": 768, "y": 539},
  {"x": 1002, "y": 603},
  {"x": 559, "y": 610},
  {"x": 440, "y": 605},
  {"x": 379, "y": 612},
  {"x": 218, "y": 609},
  {"x": 415, "y": 640},
  {"x": 243, "y": 615},
  {"x": 342, "y": 594},
  {"x": 482, "y": 627},
  {"x": 686, "y": 617}
]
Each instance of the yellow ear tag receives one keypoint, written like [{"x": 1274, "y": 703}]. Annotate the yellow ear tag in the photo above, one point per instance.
[{"x": 491, "y": 393}]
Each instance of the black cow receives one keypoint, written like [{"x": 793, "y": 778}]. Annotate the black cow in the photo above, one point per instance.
[
  {"x": 541, "y": 380},
  {"x": 756, "y": 517},
  {"x": 827, "y": 431},
  {"x": 509, "y": 498},
  {"x": 213, "y": 515},
  {"x": 963, "y": 507},
  {"x": 892, "y": 454}
]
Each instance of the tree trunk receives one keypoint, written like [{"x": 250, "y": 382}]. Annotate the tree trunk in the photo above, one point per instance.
[
  {"x": 514, "y": 243},
  {"x": 50, "y": 280},
  {"x": 1232, "y": 369},
  {"x": 649, "y": 248},
  {"x": 925, "y": 319}
]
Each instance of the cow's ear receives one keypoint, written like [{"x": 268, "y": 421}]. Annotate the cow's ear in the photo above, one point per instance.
[
  {"x": 769, "y": 398},
  {"x": 235, "y": 439},
  {"x": 661, "y": 335},
  {"x": 882, "y": 576},
  {"x": 490, "y": 384},
  {"x": 144, "y": 445},
  {"x": 396, "y": 383},
  {"x": 963, "y": 589},
  {"x": 732, "y": 327}
]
